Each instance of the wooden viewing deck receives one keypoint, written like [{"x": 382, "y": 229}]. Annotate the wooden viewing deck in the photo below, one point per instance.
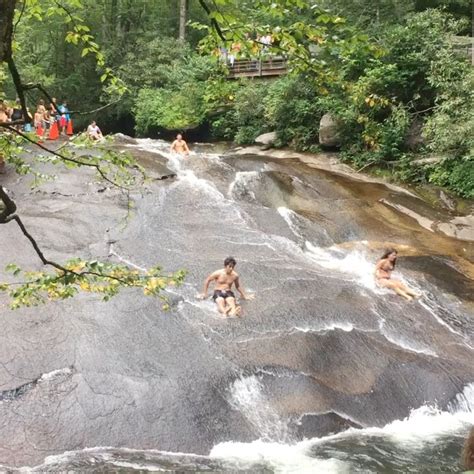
[{"x": 273, "y": 66}]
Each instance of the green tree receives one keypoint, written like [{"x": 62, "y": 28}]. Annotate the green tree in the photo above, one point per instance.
[{"x": 66, "y": 279}]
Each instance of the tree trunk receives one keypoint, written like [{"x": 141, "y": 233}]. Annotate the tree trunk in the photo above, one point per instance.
[
  {"x": 182, "y": 19},
  {"x": 7, "y": 10}
]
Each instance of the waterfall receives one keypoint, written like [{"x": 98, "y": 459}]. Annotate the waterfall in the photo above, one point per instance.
[{"x": 246, "y": 395}]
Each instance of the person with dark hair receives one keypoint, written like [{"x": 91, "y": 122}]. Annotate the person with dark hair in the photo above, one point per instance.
[
  {"x": 17, "y": 113},
  {"x": 53, "y": 108},
  {"x": 223, "y": 294},
  {"x": 383, "y": 273},
  {"x": 468, "y": 452}
]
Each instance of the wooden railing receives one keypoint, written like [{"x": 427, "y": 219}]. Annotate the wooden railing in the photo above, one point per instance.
[
  {"x": 277, "y": 66},
  {"x": 272, "y": 66}
]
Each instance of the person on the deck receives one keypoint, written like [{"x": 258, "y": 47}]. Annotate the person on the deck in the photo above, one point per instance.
[
  {"x": 383, "y": 272},
  {"x": 94, "y": 132},
  {"x": 179, "y": 145},
  {"x": 223, "y": 294}
]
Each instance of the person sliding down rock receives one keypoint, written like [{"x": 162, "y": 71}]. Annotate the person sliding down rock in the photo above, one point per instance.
[
  {"x": 223, "y": 294},
  {"x": 383, "y": 275},
  {"x": 180, "y": 146}
]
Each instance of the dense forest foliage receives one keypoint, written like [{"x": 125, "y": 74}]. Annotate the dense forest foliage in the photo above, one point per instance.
[{"x": 390, "y": 72}]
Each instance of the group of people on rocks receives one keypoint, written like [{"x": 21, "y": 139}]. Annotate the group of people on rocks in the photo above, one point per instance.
[
  {"x": 48, "y": 121},
  {"x": 42, "y": 120},
  {"x": 45, "y": 119}
]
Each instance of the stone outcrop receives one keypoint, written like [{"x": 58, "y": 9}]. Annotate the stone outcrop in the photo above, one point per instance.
[
  {"x": 266, "y": 139},
  {"x": 121, "y": 138},
  {"x": 329, "y": 131}
]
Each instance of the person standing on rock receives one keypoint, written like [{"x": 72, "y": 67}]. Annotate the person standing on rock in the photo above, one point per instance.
[
  {"x": 383, "y": 273},
  {"x": 223, "y": 294},
  {"x": 179, "y": 145},
  {"x": 64, "y": 118}
]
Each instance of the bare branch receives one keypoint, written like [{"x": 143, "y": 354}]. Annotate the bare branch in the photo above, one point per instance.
[
  {"x": 88, "y": 112},
  {"x": 51, "y": 263},
  {"x": 19, "y": 16},
  {"x": 9, "y": 215},
  {"x": 213, "y": 21},
  {"x": 31, "y": 86}
]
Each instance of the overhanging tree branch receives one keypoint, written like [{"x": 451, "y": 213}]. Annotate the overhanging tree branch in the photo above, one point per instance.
[
  {"x": 9, "y": 214},
  {"x": 65, "y": 158},
  {"x": 88, "y": 275},
  {"x": 213, "y": 21}
]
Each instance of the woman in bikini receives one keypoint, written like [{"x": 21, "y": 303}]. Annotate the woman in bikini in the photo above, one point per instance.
[{"x": 383, "y": 272}]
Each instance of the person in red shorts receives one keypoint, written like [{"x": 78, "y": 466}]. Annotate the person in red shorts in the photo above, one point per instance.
[{"x": 64, "y": 118}]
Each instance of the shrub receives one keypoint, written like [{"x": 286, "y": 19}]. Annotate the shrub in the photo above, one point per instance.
[{"x": 293, "y": 111}]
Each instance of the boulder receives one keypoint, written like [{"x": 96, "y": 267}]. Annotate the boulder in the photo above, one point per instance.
[
  {"x": 329, "y": 131},
  {"x": 429, "y": 160},
  {"x": 266, "y": 138},
  {"x": 414, "y": 139},
  {"x": 122, "y": 138}
]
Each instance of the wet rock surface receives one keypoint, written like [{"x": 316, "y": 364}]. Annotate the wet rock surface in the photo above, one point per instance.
[{"x": 326, "y": 349}]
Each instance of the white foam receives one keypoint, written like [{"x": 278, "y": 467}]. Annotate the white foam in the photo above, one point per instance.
[
  {"x": 431, "y": 307},
  {"x": 188, "y": 178},
  {"x": 354, "y": 264},
  {"x": 246, "y": 395},
  {"x": 240, "y": 186},
  {"x": 66, "y": 371},
  {"x": 464, "y": 402},
  {"x": 404, "y": 344},
  {"x": 289, "y": 217},
  {"x": 280, "y": 458},
  {"x": 424, "y": 425},
  {"x": 346, "y": 327}
]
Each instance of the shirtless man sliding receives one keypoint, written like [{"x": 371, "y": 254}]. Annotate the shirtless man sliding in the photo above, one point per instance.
[
  {"x": 179, "y": 145},
  {"x": 223, "y": 296}
]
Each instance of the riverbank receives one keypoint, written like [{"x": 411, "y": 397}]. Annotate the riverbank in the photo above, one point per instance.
[{"x": 445, "y": 218}]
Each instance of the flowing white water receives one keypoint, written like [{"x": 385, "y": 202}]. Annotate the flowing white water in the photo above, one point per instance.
[
  {"x": 423, "y": 427},
  {"x": 246, "y": 395},
  {"x": 355, "y": 263},
  {"x": 241, "y": 186},
  {"x": 274, "y": 449},
  {"x": 280, "y": 458},
  {"x": 464, "y": 402}
]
